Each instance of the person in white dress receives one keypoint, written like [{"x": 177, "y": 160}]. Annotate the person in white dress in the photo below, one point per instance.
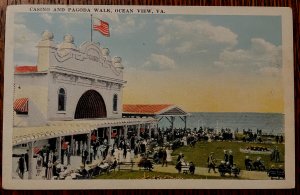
[
  {"x": 39, "y": 164},
  {"x": 128, "y": 156},
  {"x": 184, "y": 140},
  {"x": 169, "y": 152},
  {"x": 116, "y": 154},
  {"x": 132, "y": 155},
  {"x": 120, "y": 155},
  {"x": 50, "y": 170}
]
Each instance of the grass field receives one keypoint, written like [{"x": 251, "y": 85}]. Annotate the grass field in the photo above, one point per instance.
[
  {"x": 200, "y": 153},
  {"x": 153, "y": 175}
]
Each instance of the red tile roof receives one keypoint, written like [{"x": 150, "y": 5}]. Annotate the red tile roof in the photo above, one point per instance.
[
  {"x": 23, "y": 69},
  {"x": 144, "y": 108}
]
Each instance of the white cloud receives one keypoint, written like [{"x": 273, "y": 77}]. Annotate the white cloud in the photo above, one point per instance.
[
  {"x": 128, "y": 24},
  {"x": 67, "y": 20},
  {"x": 25, "y": 42},
  {"x": 262, "y": 57},
  {"x": 191, "y": 36},
  {"x": 159, "y": 62},
  {"x": 47, "y": 18}
]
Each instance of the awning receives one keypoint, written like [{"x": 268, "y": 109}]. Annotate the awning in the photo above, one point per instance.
[
  {"x": 65, "y": 128},
  {"x": 21, "y": 105}
]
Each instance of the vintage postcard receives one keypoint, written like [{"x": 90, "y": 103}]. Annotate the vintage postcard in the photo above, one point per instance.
[{"x": 148, "y": 97}]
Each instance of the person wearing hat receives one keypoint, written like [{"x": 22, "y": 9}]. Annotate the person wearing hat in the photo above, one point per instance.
[
  {"x": 222, "y": 167},
  {"x": 21, "y": 166},
  {"x": 248, "y": 163},
  {"x": 226, "y": 157},
  {"x": 179, "y": 156},
  {"x": 211, "y": 162},
  {"x": 258, "y": 165},
  {"x": 230, "y": 158},
  {"x": 164, "y": 157},
  {"x": 272, "y": 172},
  {"x": 192, "y": 168}
]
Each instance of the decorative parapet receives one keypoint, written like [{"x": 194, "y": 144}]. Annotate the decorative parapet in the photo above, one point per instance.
[{"x": 89, "y": 56}]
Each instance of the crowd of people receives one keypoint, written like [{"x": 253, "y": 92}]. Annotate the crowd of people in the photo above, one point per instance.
[{"x": 158, "y": 148}]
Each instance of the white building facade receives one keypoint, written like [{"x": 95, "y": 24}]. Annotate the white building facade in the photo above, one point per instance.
[
  {"x": 69, "y": 82},
  {"x": 74, "y": 95}
]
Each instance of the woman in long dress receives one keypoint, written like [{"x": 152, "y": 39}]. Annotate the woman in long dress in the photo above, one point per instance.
[
  {"x": 50, "y": 170},
  {"x": 128, "y": 156},
  {"x": 132, "y": 155},
  {"x": 120, "y": 155},
  {"x": 99, "y": 153},
  {"x": 169, "y": 152},
  {"x": 184, "y": 139},
  {"x": 116, "y": 154},
  {"x": 39, "y": 164}
]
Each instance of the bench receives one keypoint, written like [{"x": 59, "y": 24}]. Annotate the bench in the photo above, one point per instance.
[
  {"x": 125, "y": 166},
  {"x": 185, "y": 169},
  {"x": 276, "y": 173}
]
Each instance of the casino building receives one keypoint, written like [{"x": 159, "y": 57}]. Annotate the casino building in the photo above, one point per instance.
[{"x": 73, "y": 93}]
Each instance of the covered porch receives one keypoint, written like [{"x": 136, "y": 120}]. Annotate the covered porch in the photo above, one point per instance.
[{"x": 88, "y": 130}]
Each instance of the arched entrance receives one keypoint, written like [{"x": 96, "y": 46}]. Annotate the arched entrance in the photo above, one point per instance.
[{"x": 90, "y": 105}]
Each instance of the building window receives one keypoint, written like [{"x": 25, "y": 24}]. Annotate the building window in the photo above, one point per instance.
[
  {"x": 115, "y": 103},
  {"x": 61, "y": 100}
]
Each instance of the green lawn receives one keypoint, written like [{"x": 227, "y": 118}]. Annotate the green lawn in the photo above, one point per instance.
[
  {"x": 153, "y": 175},
  {"x": 200, "y": 153}
]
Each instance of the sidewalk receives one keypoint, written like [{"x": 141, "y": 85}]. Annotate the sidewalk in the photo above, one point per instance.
[{"x": 76, "y": 162}]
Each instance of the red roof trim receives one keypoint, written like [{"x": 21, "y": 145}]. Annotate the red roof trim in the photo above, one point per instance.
[
  {"x": 24, "y": 69},
  {"x": 145, "y": 108}
]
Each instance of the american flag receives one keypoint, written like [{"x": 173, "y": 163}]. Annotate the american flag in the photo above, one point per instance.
[{"x": 103, "y": 28}]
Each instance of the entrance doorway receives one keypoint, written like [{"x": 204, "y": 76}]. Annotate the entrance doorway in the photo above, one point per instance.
[{"x": 90, "y": 105}]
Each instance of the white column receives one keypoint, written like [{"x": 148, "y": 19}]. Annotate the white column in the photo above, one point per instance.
[
  {"x": 89, "y": 146},
  {"x": 72, "y": 145},
  {"x": 150, "y": 133},
  {"x": 138, "y": 130},
  {"x": 155, "y": 128},
  {"x": 30, "y": 159}
]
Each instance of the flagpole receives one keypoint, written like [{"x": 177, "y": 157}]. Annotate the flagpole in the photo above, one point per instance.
[{"x": 91, "y": 27}]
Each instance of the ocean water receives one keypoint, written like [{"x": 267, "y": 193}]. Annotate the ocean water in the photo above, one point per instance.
[{"x": 270, "y": 123}]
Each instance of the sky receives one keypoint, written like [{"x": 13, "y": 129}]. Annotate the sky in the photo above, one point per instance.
[{"x": 202, "y": 63}]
